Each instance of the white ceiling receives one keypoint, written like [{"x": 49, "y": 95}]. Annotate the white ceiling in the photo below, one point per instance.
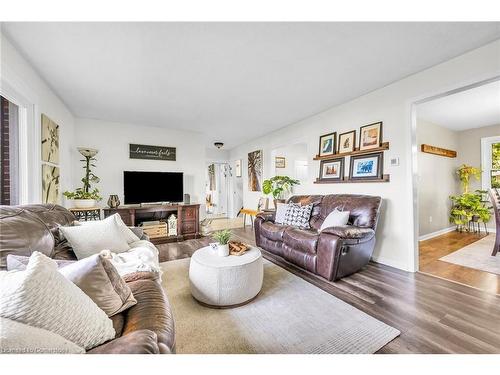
[
  {"x": 231, "y": 81},
  {"x": 468, "y": 109}
]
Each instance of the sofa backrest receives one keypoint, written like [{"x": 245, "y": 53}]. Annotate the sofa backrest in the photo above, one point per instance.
[
  {"x": 364, "y": 209},
  {"x": 29, "y": 228}
]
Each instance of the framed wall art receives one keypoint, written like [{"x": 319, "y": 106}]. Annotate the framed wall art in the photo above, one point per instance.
[
  {"x": 370, "y": 136},
  {"x": 331, "y": 170},
  {"x": 238, "y": 168},
  {"x": 367, "y": 167},
  {"x": 254, "y": 170},
  {"x": 280, "y": 162},
  {"x": 347, "y": 142},
  {"x": 50, "y": 140},
  {"x": 327, "y": 144}
]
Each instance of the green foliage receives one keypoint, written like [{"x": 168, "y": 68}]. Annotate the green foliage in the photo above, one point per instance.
[
  {"x": 278, "y": 186},
  {"x": 495, "y": 156},
  {"x": 81, "y": 194},
  {"x": 464, "y": 172},
  {"x": 468, "y": 206},
  {"x": 222, "y": 236},
  {"x": 85, "y": 192}
]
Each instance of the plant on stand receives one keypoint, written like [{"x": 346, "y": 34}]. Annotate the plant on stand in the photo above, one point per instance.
[
  {"x": 279, "y": 186},
  {"x": 222, "y": 237},
  {"x": 86, "y": 197},
  {"x": 468, "y": 207}
]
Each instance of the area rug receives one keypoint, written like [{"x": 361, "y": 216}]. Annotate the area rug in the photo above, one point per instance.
[
  {"x": 477, "y": 255},
  {"x": 288, "y": 316}
]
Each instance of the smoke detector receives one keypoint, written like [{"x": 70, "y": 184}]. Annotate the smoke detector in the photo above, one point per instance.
[{"x": 218, "y": 145}]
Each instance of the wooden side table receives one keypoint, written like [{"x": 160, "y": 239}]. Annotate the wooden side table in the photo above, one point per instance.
[{"x": 86, "y": 214}]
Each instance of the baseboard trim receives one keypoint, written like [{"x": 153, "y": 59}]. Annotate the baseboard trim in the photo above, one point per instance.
[
  {"x": 436, "y": 233},
  {"x": 391, "y": 263}
]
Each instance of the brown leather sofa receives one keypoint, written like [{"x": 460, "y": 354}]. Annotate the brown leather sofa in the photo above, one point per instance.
[
  {"x": 147, "y": 327},
  {"x": 336, "y": 251}
]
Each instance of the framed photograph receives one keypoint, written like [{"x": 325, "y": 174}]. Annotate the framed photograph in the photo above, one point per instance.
[
  {"x": 280, "y": 162},
  {"x": 327, "y": 144},
  {"x": 370, "y": 136},
  {"x": 238, "y": 168},
  {"x": 347, "y": 142},
  {"x": 331, "y": 170},
  {"x": 367, "y": 167}
]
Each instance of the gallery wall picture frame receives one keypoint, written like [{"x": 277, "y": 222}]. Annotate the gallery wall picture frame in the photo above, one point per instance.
[
  {"x": 327, "y": 144},
  {"x": 367, "y": 167},
  {"x": 50, "y": 184},
  {"x": 332, "y": 169},
  {"x": 280, "y": 162},
  {"x": 50, "y": 140},
  {"x": 238, "y": 168},
  {"x": 347, "y": 142},
  {"x": 370, "y": 136}
]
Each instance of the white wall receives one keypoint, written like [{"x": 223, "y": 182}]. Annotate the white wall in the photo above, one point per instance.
[
  {"x": 20, "y": 83},
  {"x": 437, "y": 178},
  {"x": 393, "y": 105},
  {"x": 112, "y": 140}
]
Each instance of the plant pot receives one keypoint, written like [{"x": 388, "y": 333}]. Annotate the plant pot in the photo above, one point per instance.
[
  {"x": 222, "y": 250},
  {"x": 84, "y": 203}
]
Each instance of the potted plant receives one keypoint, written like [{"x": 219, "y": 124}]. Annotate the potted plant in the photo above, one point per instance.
[
  {"x": 222, "y": 237},
  {"x": 279, "y": 186},
  {"x": 467, "y": 206},
  {"x": 85, "y": 197}
]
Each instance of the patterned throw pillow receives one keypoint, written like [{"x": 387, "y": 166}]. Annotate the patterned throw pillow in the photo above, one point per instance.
[{"x": 298, "y": 216}]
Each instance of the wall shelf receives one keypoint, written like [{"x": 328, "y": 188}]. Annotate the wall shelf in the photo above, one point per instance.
[
  {"x": 383, "y": 146},
  {"x": 385, "y": 178}
]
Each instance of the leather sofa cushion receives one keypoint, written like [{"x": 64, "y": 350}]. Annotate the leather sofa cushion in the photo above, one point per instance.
[
  {"x": 363, "y": 208},
  {"x": 272, "y": 231},
  {"x": 301, "y": 239},
  {"x": 142, "y": 341}
]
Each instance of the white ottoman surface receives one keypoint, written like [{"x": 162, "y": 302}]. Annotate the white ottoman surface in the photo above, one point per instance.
[{"x": 225, "y": 281}]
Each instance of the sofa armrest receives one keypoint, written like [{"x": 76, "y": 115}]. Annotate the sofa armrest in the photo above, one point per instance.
[
  {"x": 143, "y": 341},
  {"x": 266, "y": 216},
  {"x": 351, "y": 233}
]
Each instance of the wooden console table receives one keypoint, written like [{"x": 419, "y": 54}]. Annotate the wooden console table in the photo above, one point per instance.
[{"x": 188, "y": 223}]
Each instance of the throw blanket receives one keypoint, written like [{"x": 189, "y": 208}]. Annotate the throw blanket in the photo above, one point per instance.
[{"x": 142, "y": 257}]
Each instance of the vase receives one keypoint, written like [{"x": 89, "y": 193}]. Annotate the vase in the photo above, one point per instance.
[
  {"x": 84, "y": 203},
  {"x": 113, "y": 201},
  {"x": 222, "y": 250}
]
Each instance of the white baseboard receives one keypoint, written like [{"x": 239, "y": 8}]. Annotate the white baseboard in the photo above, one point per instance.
[
  {"x": 391, "y": 263},
  {"x": 436, "y": 233}
]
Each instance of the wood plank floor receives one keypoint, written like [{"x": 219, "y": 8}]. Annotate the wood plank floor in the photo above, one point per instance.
[
  {"x": 431, "y": 250},
  {"x": 433, "y": 315}
]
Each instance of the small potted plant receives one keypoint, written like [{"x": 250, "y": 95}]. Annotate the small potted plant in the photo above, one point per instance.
[
  {"x": 85, "y": 197},
  {"x": 279, "y": 186},
  {"x": 222, "y": 237}
]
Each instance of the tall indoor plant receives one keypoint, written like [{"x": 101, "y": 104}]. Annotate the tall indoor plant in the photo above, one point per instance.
[
  {"x": 86, "y": 197},
  {"x": 279, "y": 186},
  {"x": 467, "y": 207}
]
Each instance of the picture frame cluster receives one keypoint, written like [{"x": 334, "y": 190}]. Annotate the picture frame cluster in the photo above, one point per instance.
[{"x": 363, "y": 165}]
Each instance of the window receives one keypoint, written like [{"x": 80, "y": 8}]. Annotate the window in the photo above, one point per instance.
[
  {"x": 490, "y": 162},
  {"x": 9, "y": 153}
]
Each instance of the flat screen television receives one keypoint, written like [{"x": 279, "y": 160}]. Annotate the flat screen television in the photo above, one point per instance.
[{"x": 149, "y": 187}]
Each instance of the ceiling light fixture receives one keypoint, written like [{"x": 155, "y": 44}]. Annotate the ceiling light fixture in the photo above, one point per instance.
[{"x": 218, "y": 145}]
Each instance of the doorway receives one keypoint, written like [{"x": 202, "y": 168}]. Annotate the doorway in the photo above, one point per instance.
[
  {"x": 456, "y": 163},
  {"x": 217, "y": 186}
]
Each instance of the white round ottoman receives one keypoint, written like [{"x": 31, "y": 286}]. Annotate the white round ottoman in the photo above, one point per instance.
[{"x": 225, "y": 281}]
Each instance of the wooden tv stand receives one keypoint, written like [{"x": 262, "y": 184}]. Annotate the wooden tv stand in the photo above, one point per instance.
[{"x": 188, "y": 223}]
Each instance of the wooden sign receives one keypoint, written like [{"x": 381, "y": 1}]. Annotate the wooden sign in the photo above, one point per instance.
[
  {"x": 152, "y": 152},
  {"x": 438, "y": 151}
]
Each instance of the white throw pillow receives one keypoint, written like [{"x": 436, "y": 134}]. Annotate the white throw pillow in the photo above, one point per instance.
[
  {"x": 91, "y": 238},
  {"x": 19, "y": 338},
  {"x": 42, "y": 297},
  {"x": 335, "y": 218},
  {"x": 128, "y": 234},
  {"x": 280, "y": 213}
]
